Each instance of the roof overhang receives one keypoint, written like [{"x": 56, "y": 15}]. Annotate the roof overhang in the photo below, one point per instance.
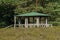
[{"x": 32, "y": 14}]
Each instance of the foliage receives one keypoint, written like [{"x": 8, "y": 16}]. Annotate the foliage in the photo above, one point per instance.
[
  {"x": 6, "y": 13},
  {"x": 9, "y": 8}
]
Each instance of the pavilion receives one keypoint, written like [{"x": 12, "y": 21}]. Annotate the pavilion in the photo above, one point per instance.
[{"x": 38, "y": 20}]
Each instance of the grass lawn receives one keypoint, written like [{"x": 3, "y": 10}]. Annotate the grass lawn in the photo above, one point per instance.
[{"x": 49, "y": 33}]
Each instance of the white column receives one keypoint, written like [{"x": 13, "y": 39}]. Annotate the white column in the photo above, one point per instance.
[
  {"x": 14, "y": 22},
  {"x": 19, "y": 22},
  {"x": 46, "y": 22},
  {"x": 37, "y": 22},
  {"x": 26, "y": 22}
]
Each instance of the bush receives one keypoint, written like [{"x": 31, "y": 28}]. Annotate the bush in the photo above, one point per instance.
[
  {"x": 55, "y": 23},
  {"x": 2, "y": 24}
]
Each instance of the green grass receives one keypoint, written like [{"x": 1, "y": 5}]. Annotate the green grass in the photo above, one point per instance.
[{"x": 49, "y": 33}]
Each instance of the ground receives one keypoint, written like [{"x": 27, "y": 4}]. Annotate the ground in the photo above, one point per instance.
[{"x": 42, "y": 33}]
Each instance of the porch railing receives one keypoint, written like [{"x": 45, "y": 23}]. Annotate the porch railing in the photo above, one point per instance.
[{"x": 35, "y": 25}]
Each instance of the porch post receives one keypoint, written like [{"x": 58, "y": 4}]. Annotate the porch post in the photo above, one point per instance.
[
  {"x": 26, "y": 22},
  {"x": 37, "y": 22},
  {"x": 14, "y": 22},
  {"x": 46, "y": 22},
  {"x": 19, "y": 21}
]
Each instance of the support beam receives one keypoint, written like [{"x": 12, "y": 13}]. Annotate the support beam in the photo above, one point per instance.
[
  {"x": 19, "y": 21},
  {"x": 37, "y": 22},
  {"x": 26, "y": 22},
  {"x": 46, "y": 22},
  {"x": 14, "y": 22}
]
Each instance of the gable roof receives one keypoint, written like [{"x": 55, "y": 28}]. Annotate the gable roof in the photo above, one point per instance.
[{"x": 33, "y": 14}]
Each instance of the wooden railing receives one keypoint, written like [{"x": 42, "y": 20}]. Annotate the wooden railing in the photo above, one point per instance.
[{"x": 36, "y": 25}]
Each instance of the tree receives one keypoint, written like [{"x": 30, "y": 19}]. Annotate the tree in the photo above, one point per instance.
[
  {"x": 6, "y": 13},
  {"x": 9, "y": 8}
]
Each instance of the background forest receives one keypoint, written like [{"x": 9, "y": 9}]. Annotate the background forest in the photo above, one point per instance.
[{"x": 9, "y": 8}]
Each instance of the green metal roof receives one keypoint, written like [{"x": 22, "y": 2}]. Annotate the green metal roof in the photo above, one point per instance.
[{"x": 33, "y": 14}]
